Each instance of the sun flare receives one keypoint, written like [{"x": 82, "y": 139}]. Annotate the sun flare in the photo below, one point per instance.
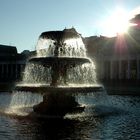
[{"x": 117, "y": 23}]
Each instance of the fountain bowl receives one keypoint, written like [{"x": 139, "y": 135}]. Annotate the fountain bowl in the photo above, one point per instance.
[
  {"x": 43, "y": 88},
  {"x": 49, "y": 61}
]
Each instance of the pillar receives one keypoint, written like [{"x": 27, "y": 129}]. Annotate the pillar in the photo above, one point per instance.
[
  {"x": 111, "y": 70},
  {"x": 138, "y": 69},
  {"x": 7, "y": 70},
  {"x": 2, "y": 70},
  {"x": 101, "y": 70},
  {"x": 120, "y": 70},
  {"x": 128, "y": 69},
  {"x": 16, "y": 71},
  {"x": 12, "y": 73}
]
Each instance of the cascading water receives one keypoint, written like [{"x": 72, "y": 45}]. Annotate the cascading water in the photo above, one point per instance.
[
  {"x": 84, "y": 74},
  {"x": 19, "y": 102},
  {"x": 59, "y": 69},
  {"x": 36, "y": 73}
]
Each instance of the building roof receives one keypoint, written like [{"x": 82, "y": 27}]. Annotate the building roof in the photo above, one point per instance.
[
  {"x": 128, "y": 44},
  {"x": 9, "y": 54},
  {"x": 7, "y": 50}
]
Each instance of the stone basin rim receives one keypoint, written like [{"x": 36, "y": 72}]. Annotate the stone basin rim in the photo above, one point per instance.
[{"x": 69, "y": 89}]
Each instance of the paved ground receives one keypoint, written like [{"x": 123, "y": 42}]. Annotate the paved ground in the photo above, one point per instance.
[{"x": 122, "y": 88}]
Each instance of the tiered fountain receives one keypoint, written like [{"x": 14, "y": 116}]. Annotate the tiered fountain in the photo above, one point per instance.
[{"x": 59, "y": 70}]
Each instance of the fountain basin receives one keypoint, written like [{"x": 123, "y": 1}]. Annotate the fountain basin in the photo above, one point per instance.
[
  {"x": 42, "y": 88},
  {"x": 49, "y": 61}
]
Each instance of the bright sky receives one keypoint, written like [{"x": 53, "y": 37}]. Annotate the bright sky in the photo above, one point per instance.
[{"x": 22, "y": 21}]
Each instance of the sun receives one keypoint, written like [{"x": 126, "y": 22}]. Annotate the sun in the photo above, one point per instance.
[{"x": 117, "y": 23}]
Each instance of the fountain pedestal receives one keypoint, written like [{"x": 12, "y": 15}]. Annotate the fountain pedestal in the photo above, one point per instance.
[{"x": 57, "y": 104}]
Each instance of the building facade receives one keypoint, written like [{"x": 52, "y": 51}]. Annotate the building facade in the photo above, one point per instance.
[
  {"x": 118, "y": 68},
  {"x": 11, "y": 64},
  {"x": 117, "y": 58}
]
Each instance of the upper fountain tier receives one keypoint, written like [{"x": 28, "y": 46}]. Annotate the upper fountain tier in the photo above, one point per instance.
[
  {"x": 60, "y": 36},
  {"x": 66, "y": 43},
  {"x": 61, "y": 64}
]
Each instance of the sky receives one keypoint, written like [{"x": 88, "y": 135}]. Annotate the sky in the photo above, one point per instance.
[{"x": 22, "y": 21}]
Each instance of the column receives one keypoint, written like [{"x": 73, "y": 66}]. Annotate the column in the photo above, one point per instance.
[
  {"x": 128, "y": 69},
  {"x": 111, "y": 70},
  {"x": 100, "y": 70},
  {"x": 120, "y": 70},
  {"x": 7, "y": 71},
  {"x": 12, "y": 71},
  {"x": 16, "y": 71},
  {"x": 2, "y": 70},
  {"x": 19, "y": 71},
  {"x": 138, "y": 69}
]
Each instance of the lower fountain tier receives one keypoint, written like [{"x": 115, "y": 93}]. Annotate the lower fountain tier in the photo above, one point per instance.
[
  {"x": 38, "y": 88},
  {"x": 49, "y": 61}
]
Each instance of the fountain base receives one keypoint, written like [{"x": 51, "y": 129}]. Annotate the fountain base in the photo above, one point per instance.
[
  {"x": 58, "y": 100},
  {"x": 57, "y": 104}
]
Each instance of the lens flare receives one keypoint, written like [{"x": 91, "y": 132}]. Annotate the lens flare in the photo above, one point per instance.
[{"x": 117, "y": 22}]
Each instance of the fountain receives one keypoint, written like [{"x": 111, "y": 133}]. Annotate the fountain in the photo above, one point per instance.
[{"x": 59, "y": 70}]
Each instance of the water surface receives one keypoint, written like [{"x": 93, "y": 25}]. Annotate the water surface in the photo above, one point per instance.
[{"x": 105, "y": 118}]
